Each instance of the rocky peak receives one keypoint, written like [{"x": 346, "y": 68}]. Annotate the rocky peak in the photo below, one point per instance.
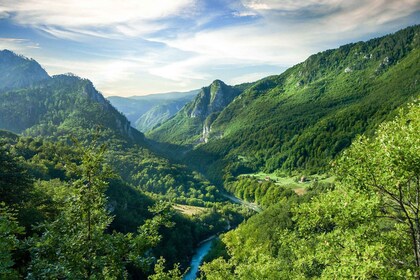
[{"x": 212, "y": 99}]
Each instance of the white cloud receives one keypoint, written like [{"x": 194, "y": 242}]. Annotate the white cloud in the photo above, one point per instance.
[
  {"x": 182, "y": 70},
  {"x": 17, "y": 44},
  {"x": 258, "y": 32},
  {"x": 273, "y": 40},
  {"x": 128, "y": 17}
]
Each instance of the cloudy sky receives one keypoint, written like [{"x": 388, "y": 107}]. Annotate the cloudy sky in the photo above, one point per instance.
[{"x": 136, "y": 47}]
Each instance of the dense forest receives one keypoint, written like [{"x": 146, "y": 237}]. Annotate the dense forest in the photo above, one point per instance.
[{"x": 311, "y": 174}]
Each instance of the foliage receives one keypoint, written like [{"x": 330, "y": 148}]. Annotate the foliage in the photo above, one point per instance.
[
  {"x": 390, "y": 165},
  {"x": 364, "y": 228},
  {"x": 264, "y": 193},
  {"x": 15, "y": 183},
  {"x": 76, "y": 245},
  {"x": 9, "y": 231},
  {"x": 160, "y": 274}
]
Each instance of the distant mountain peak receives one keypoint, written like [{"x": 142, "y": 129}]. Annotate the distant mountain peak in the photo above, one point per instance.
[{"x": 18, "y": 71}]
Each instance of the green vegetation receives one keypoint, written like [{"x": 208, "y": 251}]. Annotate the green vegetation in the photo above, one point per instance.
[
  {"x": 38, "y": 186},
  {"x": 19, "y": 72},
  {"x": 40, "y": 182},
  {"x": 187, "y": 126},
  {"x": 299, "y": 121},
  {"x": 146, "y": 112},
  {"x": 329, "y": 150},
  {"x": 9, "y": 242},
  {"x": 78, "y": 234},
  {"x": 364, "y": 228}
]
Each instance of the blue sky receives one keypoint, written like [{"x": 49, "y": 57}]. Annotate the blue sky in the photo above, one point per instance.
[{"x": 136, "y": 47}]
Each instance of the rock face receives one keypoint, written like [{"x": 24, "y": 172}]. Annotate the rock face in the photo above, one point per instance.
[
  {"x": 192, "y": 124},
  {"x": 19, "y": 71},
  {"x": 209, "y": 102},
  {"x": 212, "y": 99}
]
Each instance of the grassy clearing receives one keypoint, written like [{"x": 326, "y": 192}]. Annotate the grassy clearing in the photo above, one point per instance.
[
  {"x": 297, "y": 183},
  {"x": 189, "y": 210}
]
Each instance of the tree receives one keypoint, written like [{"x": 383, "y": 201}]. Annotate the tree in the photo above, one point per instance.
[
  {"x": 9, "y": 230},
  {"x": 389, "y": 165},
  {"x": 77, "y": 245},
  {"x": 364, "y": 228},
  {"x": 15, "y": 183},
  {"x": 160, "y": 274}
]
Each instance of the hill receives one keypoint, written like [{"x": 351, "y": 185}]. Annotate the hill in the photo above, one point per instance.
[
  {"x": 18, "y": 71},
  {"x": 55, "y": 116},
  {"x": 65, "y": 106},
  {"x": 305, "y": 117},
  {"x": 145, "y": 112},
  {"x": 192, "y": 124}
]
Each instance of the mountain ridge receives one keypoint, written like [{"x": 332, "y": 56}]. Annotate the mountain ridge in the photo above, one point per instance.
[
  {"x": 304, "y": 117},
  {"x": 47, "y": 105},
  {"x": 146, "y": 112}
]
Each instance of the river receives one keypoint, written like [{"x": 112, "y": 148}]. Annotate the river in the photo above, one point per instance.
[
  {"x": 205, "y": 245},
  {"x": 200, "y": 253}
]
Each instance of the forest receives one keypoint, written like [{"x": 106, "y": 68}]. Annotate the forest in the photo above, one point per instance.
[{"x": 329, "y": 157}]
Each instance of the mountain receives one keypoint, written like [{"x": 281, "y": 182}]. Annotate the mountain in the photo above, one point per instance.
[
  {"x": 160, "y": 113},
  {"x": 18, "y": 71},
  {"x": 130, "y": 107},
  {"x": 147, "y": 111},
  {"x": 305, "y": 117},
  {"x": 192, "y": 124},
  {"x": 48, "y": 112},
  {"x": 67, "y": 105},
  {"x": 60, "y": 105}
]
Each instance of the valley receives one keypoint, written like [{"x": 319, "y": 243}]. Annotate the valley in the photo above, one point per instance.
[{"x": 309, "y": 174}]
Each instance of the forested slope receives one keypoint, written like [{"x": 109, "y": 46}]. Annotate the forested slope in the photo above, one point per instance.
[
  {"x": 305, "y": 117},
  {"x": 77, "y": 156},
  {"x": 364, "y": 227}
]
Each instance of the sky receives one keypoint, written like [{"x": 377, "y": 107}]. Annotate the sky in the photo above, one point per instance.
[{"x": 138, "y": 47}]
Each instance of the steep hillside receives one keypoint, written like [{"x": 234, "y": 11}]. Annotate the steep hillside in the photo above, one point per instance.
[
  {"x": 191, "y": 125},
  {"x": 304, "y": 117},
  {"x": 160, "y": 113},
  {"x": 131, "y": 108},
  {"x": 145, "y": 112},
  {"x": 66, "y": 105},
  {"x": 18, "y": 71},
  {"x": 60, "y": 105}
]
